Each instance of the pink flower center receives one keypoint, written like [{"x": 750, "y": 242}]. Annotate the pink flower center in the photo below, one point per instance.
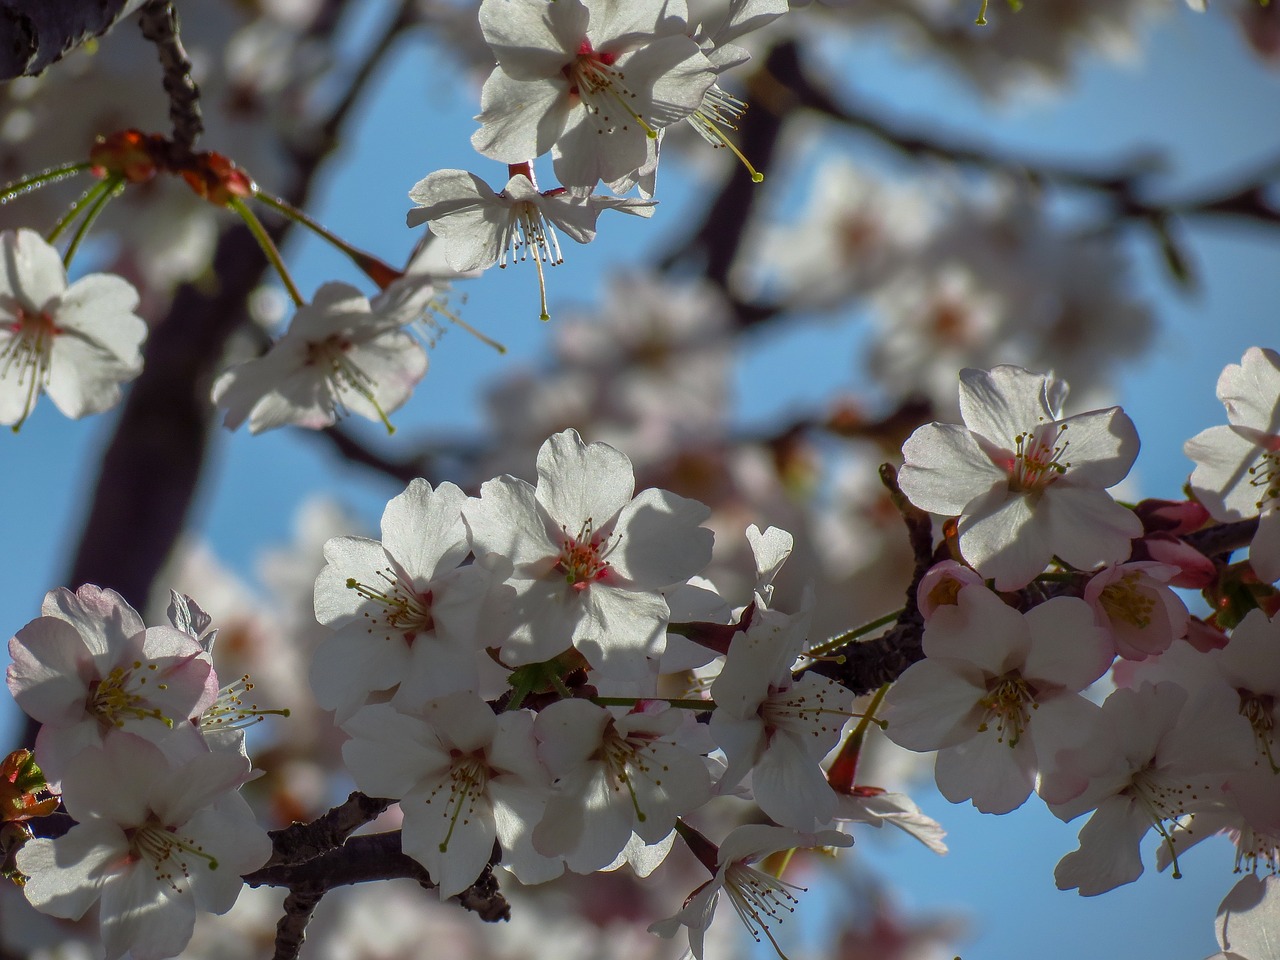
[
  {"x": 398, "y": 607},
  {"x": 602, "y": 89},
  {"x": 1008, "y": 704},
  {"x": 167, "y": 852},
  {"x": 582, "y": 558},
  {"x": 1037, "y": 459},
  {"x": 27, "y": 354},
  {"x": 1264, "y": 476}
]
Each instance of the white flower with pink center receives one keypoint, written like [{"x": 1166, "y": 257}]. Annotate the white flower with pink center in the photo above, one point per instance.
[
  {"x": 1134, "y": 604},
  {"x": 587, "y": 559},
  {"x": 464, "y": 777},
  {"x": 403, "y": 611},
  {"x": 1026, "y": 483},
  {"x": 1151, "y": 761},
  {"x": 596, "y": 80},
  {"x": 997, "y": 694},
  {"x": 615, "y": 775},
  {"x": 1237, "y": 472},
  {"x": 760, "y": 899},
  {"x": 340, "y": 354},
  {"x": 89, "y": 666},
  {"x": 775, "y": 727},
  {"x": 155, "y": 841},
  {"x": 76, "y": 343},
  {"x": 480, "y": 228}
]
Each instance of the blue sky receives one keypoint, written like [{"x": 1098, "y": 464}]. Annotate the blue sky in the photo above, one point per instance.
[{"x": 1196, "y": 95}]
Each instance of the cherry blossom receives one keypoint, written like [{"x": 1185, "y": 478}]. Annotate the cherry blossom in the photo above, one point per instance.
[
  {"x": 1250, "y": 666},
  {"x": 1026, "y": 484},
  {"x": 1237, "y": 470},
  {"x": 1133, "y": 603},
  {"x": 776, "y": 727},
  {"x": 89, "y": 666},
  {"x": 614, "y": 775},
  {"x": 156, "y": 841},
  {"x": 480, "y": 228},
  {"x": 402, "y": 611},
  {"x": 76, "y": 343},
  {"x": 341, "y": 353},
  {"x": 596, "y": 80},
  {"x": 464, "y": 777},
  {"x": 1151, "y": 761},
  {"x": 997, "y": 694},
  {"x": 587, "y": 558},
  {"x": 760, "y": 899}
]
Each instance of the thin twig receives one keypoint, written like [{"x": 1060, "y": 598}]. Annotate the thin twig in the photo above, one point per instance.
[{"x": 159, "y": 22}]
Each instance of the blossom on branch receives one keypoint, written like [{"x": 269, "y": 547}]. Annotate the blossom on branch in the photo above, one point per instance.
[
  {"x": 76, "y": 343},
  {"x": 155, "y": 842},
  {"x": 402, "y": 611},
  {"x": 89, "y": 666},
  {"x": 760, "y": 899},
  {"x": 1237, "y": 470},
  {"x": 588, "y": 558},
  {"x": 340, "y": 354},
  {"x": 480, "y": 228},
  {"x": 1026, "y": 483},
  {"x": 594, "y": 79}
]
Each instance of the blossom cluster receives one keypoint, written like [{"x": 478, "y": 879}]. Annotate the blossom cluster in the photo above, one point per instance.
[
  {"x": 496, "y": 662},
  {"x": 524, "y": 671},
  {"x": 146, "y": 754},
  {"x": 1051, "y": 583},
  {"x": 596, "y": 85}
]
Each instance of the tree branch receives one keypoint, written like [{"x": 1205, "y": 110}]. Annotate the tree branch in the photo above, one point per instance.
[{"x": 159, "y": 23}]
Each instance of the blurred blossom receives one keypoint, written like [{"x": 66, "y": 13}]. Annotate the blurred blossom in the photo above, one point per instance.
[{"x": 1038, "y": 45}]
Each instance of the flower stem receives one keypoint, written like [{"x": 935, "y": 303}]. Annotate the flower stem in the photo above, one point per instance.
[
  {"x": 381, "y": 273},
  {"x": 268, "y": 247},
  {"x": 76, "y": 207},
  {"x": 840, "y": 639},
  {"x": 112, "y": 189},
  {"x": 42, "y": 179}
]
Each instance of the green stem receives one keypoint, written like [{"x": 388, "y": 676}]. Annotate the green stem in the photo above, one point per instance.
[
  {"x": 41, "y": 179},
  {"x": 114, "y": 186},
  {"x": 381, "y": 273},
  {"x": 840, "y": 639},
  {"x": 268, "y": 247},
  {"x": 869, "y": 717},
  {"x": 77, "y": 205},
  {"x": 675, "y": 702}
]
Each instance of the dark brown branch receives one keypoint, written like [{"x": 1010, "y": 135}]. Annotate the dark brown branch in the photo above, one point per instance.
[
  {"x": 304, "y": 841},
  {"x": 1223, "y": 537},
  {"x": 870, "y": 664},
  {"x": 291, "y": 930},
  {"x": 159, "y": 23},
  {"x": 37, "y": 33},
  {"x": 1125, "y": 184},
  {"x": 354, "y": 450},
  {"x": 359, "y": 860},
  {"x": 364, "y": 859}
]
